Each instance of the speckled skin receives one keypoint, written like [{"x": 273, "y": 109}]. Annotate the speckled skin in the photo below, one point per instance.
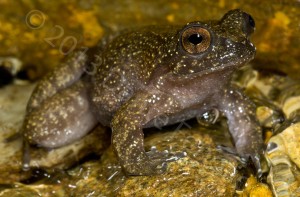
[{"x": 141, "y": 75}]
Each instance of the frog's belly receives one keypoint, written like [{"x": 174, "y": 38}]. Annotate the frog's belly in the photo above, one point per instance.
[{"x": 164, "y": 120}]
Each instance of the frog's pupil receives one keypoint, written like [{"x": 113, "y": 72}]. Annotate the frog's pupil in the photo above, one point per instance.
[{"x": 195, "y": 39}]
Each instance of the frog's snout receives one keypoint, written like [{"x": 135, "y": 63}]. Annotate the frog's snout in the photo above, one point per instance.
[{"x": 238, "y": 23}]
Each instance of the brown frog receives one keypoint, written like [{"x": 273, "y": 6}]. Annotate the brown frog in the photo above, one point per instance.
[{"x": 141, "y": 75}]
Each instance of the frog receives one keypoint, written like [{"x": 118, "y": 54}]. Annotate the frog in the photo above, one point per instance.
[{"x": 137, "y": 77}]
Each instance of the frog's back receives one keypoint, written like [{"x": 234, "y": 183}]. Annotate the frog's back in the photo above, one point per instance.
[
  {"x": 126, "y": 64},
  {"x": 139, "y": 51}
]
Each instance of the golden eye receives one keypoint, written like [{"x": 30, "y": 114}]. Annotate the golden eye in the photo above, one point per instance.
[{"x": 195, "y": 40}]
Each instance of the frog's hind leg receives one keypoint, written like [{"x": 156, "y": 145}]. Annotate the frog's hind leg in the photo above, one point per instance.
[
  {"x": 61, "y": 120},
  {"x": 60, "y": 78}
]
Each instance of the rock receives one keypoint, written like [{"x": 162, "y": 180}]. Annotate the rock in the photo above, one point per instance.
[
  {"x": 203, "y": 172},
  {"x": 283, "y": 155},
  {"x": 255, "y": 189},
  {"x": 13, "y": 101}
]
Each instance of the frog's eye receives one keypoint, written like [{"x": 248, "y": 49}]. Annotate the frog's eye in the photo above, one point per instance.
[
  {"x": 195, "y": 40},
  {"x": 249, "y": 24},
  {"x": 251, "y": 21}
]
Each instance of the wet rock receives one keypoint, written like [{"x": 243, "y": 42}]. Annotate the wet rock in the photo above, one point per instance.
[
  {"x": 283, "y": 155},
  {"x": 289, "y": 99},
  {"x": 203, "y": 172},
  {"x": 13, "y": 101},
  {"x": 23, "y": 190},
  {"x": 255, "y": 189}
]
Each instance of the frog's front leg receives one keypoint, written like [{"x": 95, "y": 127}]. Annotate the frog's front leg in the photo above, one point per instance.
[
  {"x": 243, "y": 125},
  {"x": 128, "y": 137}
]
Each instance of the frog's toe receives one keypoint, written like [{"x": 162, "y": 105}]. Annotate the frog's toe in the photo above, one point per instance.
[
  {"x": 227, "y": 150},
  {"x": 254, "y": 162},
  {"x": 158, "y": 166},
  {"x": 153, "y": 162},
  {"x": 155, "y": 154},
  {"x": 159, "y": 159},
  {"x": 26, "y": 156},
  {"x": 256, "y": 159},
  {"x": 165, "y": 155}
]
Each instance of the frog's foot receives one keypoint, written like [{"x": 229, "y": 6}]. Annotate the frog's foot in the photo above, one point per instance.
[
  {"x": 230, "y": 151},
  {"x": 153, "y": 162},
  {"x": 248, "y": 160},
  {"x": 253, "y": 156},
  {"x": 13, "y": 137},
  {"x": 253, "y": 161},
  {"x": 26, "y": 156},
  {"x": 169, "y": 157}
]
